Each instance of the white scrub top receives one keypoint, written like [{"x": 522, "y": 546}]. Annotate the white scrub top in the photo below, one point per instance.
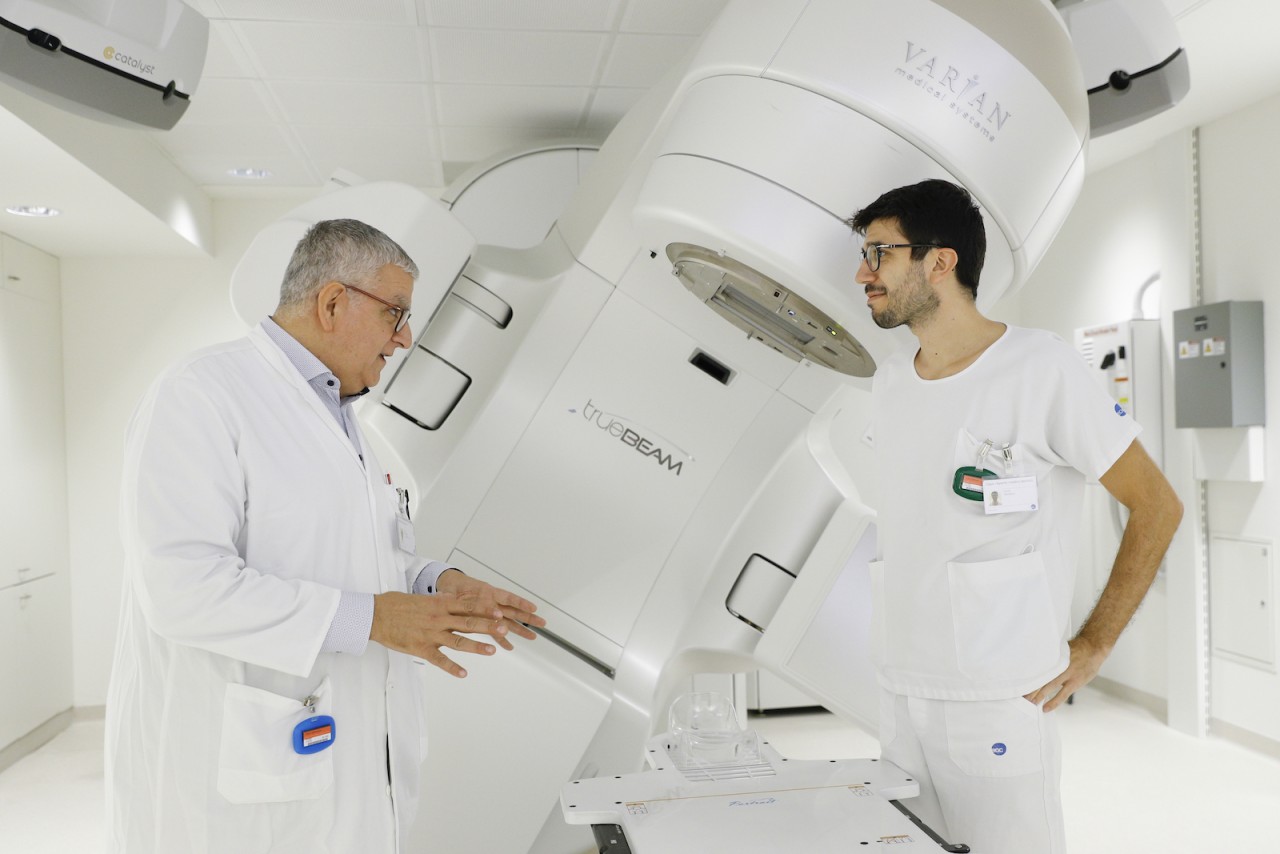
[
  {"x": 967, "y": 605},
  {"x": 245, "y": 512}
]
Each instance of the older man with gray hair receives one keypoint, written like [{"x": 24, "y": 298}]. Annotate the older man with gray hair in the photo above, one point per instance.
[{"x": 265, "y": 549}]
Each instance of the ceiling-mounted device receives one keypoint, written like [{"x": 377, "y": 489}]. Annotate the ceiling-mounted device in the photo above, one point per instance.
[
  {"x": 128, "y": 62},
  {"x": 1131, "y": 55}
]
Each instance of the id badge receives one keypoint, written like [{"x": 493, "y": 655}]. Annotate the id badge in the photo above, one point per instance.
[
  {"x": 1009, "y": 495},
  {"x": 314, "y": 734}
]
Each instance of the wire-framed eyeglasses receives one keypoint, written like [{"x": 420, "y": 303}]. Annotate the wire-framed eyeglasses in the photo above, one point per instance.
[
  {"x": 400, "y": 314},
  {"x": 873, "y": 253}
]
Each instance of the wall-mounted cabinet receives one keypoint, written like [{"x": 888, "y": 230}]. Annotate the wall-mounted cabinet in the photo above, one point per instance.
[{"x": 35, "y": 611}]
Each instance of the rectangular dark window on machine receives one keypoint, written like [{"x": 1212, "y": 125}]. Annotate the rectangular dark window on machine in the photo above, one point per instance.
[{"x": 711, "y": 366}]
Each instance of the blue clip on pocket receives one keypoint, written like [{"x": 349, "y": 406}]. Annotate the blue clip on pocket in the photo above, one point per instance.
[{"x": 314, "y": 734}]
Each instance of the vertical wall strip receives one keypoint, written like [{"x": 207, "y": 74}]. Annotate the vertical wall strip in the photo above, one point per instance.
[{"x": 1202, "y": 486}]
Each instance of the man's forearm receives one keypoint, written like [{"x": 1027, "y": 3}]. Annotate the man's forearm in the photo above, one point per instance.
[{"x": 1146, "y": 539}]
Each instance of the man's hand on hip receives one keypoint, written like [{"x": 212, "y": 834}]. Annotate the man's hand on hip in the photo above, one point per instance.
[{"x": 1086, "y": 660}]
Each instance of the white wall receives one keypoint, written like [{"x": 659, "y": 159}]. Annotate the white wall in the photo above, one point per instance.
[
  {"x": 1111, "y": 243},
  {"x": 1132, "y": 219},
  {"x": 1240, "y": 174},
  {"x": 124, "y": 320}
]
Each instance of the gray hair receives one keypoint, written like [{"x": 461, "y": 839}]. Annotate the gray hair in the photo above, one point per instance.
[{"x": 341, "y": 250}]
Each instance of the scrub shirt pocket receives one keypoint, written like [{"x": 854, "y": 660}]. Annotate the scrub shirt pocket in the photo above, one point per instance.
[
  {"x": 256, "y": 759},
  {"x": 1003, "y": 618},
  {"x": 995, "y": 738}
]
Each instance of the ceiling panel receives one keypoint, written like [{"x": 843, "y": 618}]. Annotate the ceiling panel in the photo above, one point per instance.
[
  {"x": 226, "y": 57},
  {"x": 689, "y": 17},
  {"x": 295, "y": 51},
  {"x": 366, "y": 11},
  {"x": 307, "y": 102},
  {"x": 409, "y": 154},
  {"x": 523, "y": 15},
  {"x": 232, "y": 102},
  {"x": 235, "y": 142},
  {"x": 511, "y": 106},
  {"x": 290, "y": 170},
  {"x": 466, "y": 145},
  {"x": 641, "y": 60},
  {"x": 610, "y": 105},
  {"x": 528, "y": 58}
]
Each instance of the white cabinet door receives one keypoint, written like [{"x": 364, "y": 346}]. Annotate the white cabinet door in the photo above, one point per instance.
[
  {"x": 36, "y": 663},
  {"x": 35, "y": 619}
]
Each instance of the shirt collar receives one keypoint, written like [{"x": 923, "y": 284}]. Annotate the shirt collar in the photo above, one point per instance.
[{"x": 306, "y": 362}]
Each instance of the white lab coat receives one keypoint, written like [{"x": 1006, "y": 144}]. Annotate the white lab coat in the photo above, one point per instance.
[{"x": 245, "y": 510}]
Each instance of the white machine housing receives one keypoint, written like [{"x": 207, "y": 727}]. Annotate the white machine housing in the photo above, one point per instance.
[
  {"x": 129, "y": 62},
  {"x": 1132, "y": 59},
  {"x": 676, "y": 498}
]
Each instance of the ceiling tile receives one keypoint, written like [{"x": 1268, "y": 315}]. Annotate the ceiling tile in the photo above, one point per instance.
[
  {"x": 670, "y": 16},
  {"x": 523, "y": 15},
  {"x": 211, "y": 171},
  {"x": 208, "y": 8},
  {"x": 473, "y": 144},
  {"x": 408, "y": 154},
  {"x": 226, "y": 58},
  {"x": 637, "y": 60},
  {"x": 306, "y": 102},
  {"x": 230, "y": 101},
  {"x": 608, "y": 106},
  {"x": 510, "y": 106},
  {"x": 528, "y": 58},
  {"x": 366, "y": 11},
  {"x": 287, "y": 51},
  {"x": 235, "y": 142}
]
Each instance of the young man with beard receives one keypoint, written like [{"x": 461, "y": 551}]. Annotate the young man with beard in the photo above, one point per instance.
[{"x": 973, "y": 594}]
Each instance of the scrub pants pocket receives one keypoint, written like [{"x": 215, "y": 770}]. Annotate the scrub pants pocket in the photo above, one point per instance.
[
  {"x": 995, "y": 738},
  {"x": 256, "y": 759}
]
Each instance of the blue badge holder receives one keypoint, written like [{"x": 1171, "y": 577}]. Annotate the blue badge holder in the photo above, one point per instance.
[{"x": 314, "y": 734}]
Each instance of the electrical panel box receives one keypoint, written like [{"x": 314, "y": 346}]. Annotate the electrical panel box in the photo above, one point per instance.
[
  {"x": 1126, "y": 358},
  {"x": 1218, "y": 365}
]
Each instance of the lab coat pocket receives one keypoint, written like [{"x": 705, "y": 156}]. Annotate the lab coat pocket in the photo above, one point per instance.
[
  {"x": 995, "y": 738},
  {"x": 1003, "y": 618},
  {"x": 256, "y": 759},
  {"x": 405, "y": 539}
]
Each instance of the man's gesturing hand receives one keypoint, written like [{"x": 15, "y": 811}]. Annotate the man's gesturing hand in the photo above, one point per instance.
[
  {"x": 517, "y": 614},
  {"x": 422, "y": 626}
]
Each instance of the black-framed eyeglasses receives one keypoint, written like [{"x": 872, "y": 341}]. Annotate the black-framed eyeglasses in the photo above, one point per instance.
[
  {"x": 873, "y": 253},
  {"x": 400, "y": 314}
]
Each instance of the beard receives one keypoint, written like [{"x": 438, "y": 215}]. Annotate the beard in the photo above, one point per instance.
[{"x": 910, "y": 303}]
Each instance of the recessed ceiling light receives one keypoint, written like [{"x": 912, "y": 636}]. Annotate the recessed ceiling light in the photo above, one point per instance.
[
  {"x": 32, "y": 210},
  {"x": 249, "y": 172}
]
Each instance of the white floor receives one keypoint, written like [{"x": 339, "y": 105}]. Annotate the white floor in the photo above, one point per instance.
[{"x": 1131, "y": 786}]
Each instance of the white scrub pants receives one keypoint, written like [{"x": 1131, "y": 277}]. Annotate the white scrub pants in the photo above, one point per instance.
[{"x": 989, "y": 771}]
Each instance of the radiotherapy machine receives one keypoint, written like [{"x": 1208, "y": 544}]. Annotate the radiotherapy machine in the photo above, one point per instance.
[{"x": 650, "y": 421}]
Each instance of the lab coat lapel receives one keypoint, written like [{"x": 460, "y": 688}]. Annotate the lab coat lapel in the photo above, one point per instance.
[{"x": 280, "y": 363}]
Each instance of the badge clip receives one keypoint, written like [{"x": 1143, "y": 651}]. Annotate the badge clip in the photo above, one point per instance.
[{"x": 967, "y": 482}]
